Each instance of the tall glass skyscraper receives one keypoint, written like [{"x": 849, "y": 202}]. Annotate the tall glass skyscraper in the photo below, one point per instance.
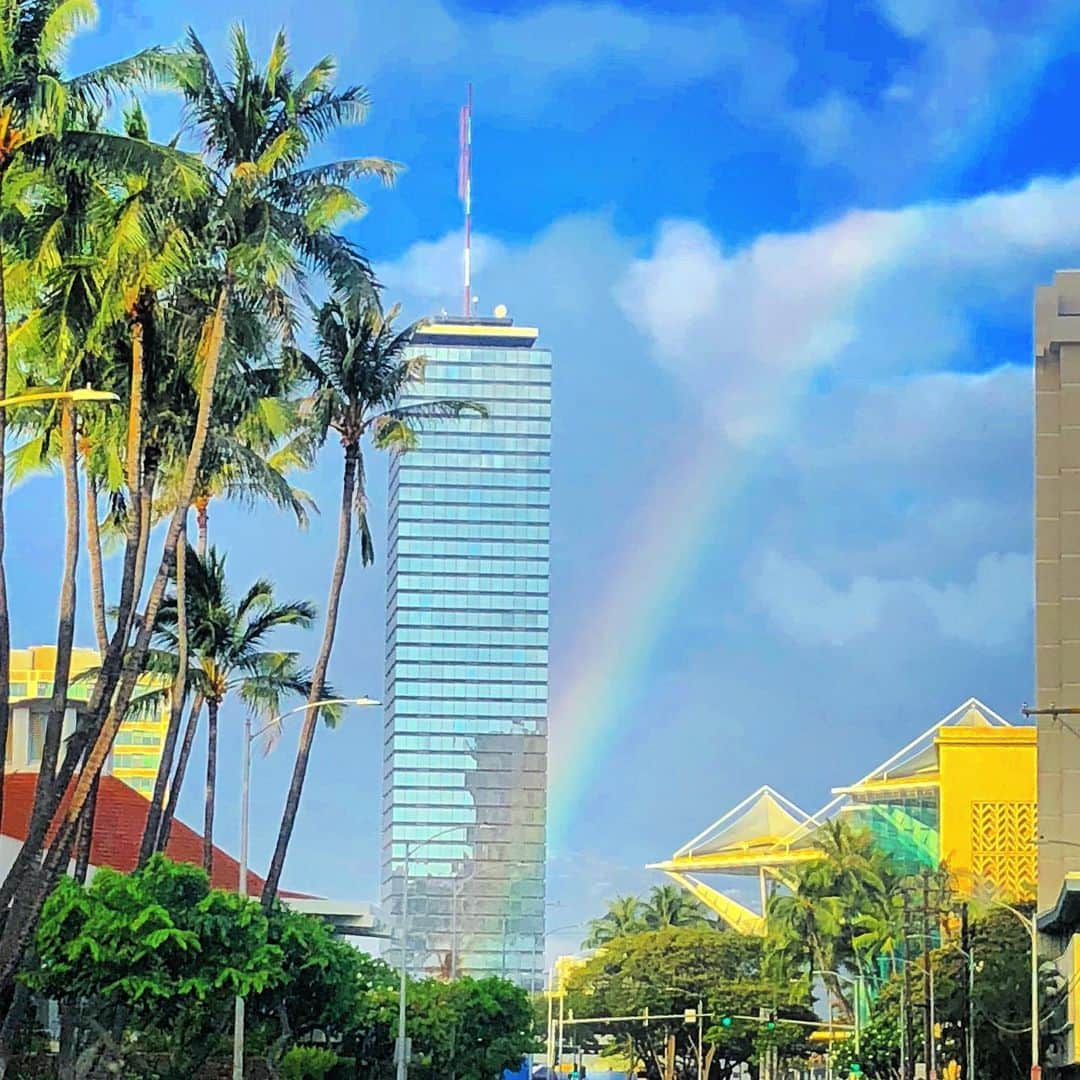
[{"x": 465, "y": 775}]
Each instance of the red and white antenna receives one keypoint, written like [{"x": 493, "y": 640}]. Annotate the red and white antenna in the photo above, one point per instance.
[{"x": 465, "y": 192}]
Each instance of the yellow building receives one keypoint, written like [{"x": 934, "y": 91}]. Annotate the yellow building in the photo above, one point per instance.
[
  {"x": 137, "y": 750},
  {"x": 963, "y": 793}
]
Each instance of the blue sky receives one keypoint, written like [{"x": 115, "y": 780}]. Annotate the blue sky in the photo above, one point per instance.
[{"x": 800, "y": 239}]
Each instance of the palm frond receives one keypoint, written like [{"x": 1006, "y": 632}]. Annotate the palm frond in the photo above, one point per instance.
[
  {"x": 62, "y": 23},
  {"x": 150, "y": 68}
]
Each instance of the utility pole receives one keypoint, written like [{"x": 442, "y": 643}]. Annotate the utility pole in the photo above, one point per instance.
[
  {"x": 969, "y": 1002},
  {"x": 907, "y": 1044},
  {"x": 928, "y": 1032}
]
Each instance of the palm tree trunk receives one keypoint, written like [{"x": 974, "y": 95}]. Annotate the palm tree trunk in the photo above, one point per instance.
[
  {"x": 112, "y": 664},
  {"x": 5, "y": 627},
  {"x": 210, "y": 346},
  {"x": 97, "y": 574},
  {"x": 85, "y": 841},
  {"x": 181, "y": 769},
  {"x": 42, "y": 809},
  {"x": 17, "y": 932},
  {"x": 65, "y": 626},
  {"x": 146, "y": 505},
  {"x": 318, "y": 677},
  {"x": 129, "y": 593},
  {"x": 176, "y": 707},
  {"x": 211, "y": 784}
]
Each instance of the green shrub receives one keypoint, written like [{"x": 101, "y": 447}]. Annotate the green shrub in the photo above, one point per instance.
[{"x": 308, "y": 1063}]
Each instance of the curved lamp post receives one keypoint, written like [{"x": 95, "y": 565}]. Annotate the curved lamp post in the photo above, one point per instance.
[
  {"x": 399, "y": 1046},
  {"x": 245, "y": 800},
  {"x": 1032, "y": 928}
]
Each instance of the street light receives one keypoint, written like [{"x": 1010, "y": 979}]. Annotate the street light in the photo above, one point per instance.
[
  {"x": 1032, "y": 928},
  {"x": 245, "y": 798},
  {"x": 33, "y": 395},
  {"x": 402, "y": 1065},
  {"x": 969, "y": 958}
]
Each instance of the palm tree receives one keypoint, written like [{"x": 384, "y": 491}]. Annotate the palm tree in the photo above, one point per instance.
[
  {"x": 624, "y": 916},
  {"x": 360, "y": 368},
  {"x": 255, "y": 440},
  {"x": 668, "y": 905},
  {"x": 269, "y": 220},
  {"x": 805, "y": 932},
  {"x": 40, "y": 114},
  {"x": 78, "y": 239},
  {"x": 227, "y": 643},
  {"x": 824, "y": 924}
]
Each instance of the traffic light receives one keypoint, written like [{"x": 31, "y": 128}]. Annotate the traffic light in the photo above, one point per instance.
[
  {"x": 725, "y": 1021},
  {"x": 856, "y": 1069},
  {"x": 770, "y": 1023}
]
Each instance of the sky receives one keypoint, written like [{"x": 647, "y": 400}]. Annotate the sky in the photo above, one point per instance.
[{"x": 784, "y": 256}]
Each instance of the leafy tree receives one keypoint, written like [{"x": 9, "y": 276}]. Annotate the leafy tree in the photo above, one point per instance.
[
  {"x": 467, "y": 1029},
  {"x": 357, "y": 375},
  {"x": 324, "y": 977},
  {"x": 157, "y": 950},
  {"x": 668, "y": 971}
]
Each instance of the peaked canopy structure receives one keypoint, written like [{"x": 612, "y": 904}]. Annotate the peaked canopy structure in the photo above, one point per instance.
[{"x": 962, "y": 792}]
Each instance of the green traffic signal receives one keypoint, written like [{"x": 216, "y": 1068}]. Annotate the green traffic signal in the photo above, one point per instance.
[
  {"x": 726, "y": 1021},
  {"x": 856, "y": 1069},
  {"x": 770, "y": 1025}
]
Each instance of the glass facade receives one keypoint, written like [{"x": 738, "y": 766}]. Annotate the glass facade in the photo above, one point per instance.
[
  {"x": 465, "y": 772},
  {"x": 905, "y": 825}
]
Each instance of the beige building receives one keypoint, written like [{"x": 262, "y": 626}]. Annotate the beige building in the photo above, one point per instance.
[
  {"x": 1057, "y": 575},
  {"x": 1057, "y": 632}
]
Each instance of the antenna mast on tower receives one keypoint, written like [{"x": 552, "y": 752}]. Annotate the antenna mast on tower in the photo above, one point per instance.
[{"x": 465, "y": 192}]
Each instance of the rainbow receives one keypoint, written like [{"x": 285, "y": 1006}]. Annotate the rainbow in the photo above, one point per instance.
[
  {"x": 680, "y": 517},
  {"x": 614, "y": 642}
]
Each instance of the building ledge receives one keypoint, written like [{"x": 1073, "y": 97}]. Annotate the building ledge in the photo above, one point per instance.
[{"x": 1063, "y": 919}]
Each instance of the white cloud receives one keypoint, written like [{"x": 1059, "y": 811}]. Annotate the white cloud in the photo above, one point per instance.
[
  {"x": 867, "y": 296},
  {"x": 899, "y": 484},
  {"x": 810, "y": 609},
  {"x": 989, "y": 610},
  {"x": 961, "y": 67},
  {"x": 518, "y": 62}
]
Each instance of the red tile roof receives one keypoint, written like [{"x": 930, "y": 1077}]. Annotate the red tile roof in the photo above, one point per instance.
[{"x": 118, "y": 828}]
